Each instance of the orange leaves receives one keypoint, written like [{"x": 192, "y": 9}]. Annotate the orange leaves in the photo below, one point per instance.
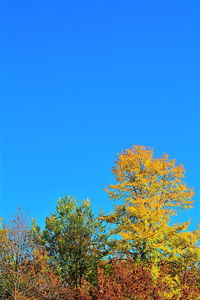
[
  {"x": 126, "y": 280},
  {"x": 151, "y": 257}
]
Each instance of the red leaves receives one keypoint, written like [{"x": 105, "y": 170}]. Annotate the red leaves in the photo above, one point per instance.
[
  {"x": 129, "y": 280},
  {"x": 125, "y": 280}
]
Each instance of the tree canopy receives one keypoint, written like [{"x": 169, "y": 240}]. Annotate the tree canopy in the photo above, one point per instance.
[
  {"x": 135, "y": 252},
  {"x": 151, "y": 190},
  {"x": 74, "y": 239}
]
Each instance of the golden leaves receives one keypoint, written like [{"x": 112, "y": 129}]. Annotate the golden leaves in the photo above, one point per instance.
[
  {"x": 151, "y": 190},
  {"x": 138, "y": 174}
]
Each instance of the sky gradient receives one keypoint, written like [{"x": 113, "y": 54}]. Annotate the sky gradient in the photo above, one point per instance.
[{"x": 84, "y": 80}]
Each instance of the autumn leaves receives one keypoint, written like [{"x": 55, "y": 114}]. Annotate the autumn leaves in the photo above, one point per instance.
[
  {"x": 134, "y": 252},
  {"x": 150, "y": 190}
]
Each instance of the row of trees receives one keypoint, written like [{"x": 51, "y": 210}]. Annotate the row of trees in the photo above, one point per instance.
[{"x": 135, "y": 252}]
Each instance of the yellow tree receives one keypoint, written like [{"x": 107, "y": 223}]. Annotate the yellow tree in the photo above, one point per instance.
[{"x": 151, "y": 190}]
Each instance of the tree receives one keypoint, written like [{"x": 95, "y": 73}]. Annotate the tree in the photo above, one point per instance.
[
  {"x": 24, "y": 269},
  {"x": 74, "y": 240},
  {"x": 151, "y": 190},
  {"x": 126, "y": 280},
  {"x": 15, "y": 254},
  {"x": 4, "y": 250}
]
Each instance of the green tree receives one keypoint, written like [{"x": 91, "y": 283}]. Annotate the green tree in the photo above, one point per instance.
[{"x": 74, "y": 239}]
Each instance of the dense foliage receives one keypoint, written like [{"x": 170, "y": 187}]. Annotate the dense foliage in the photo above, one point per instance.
[{"x": 135, "y": 252}]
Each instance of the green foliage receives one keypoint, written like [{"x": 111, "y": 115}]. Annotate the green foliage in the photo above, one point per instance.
[
  {"x": 74, "y": 239},
  {"x": 148, "y": 257}
]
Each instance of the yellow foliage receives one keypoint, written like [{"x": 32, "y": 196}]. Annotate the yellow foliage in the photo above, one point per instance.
[{"x": 152, "y": 189}]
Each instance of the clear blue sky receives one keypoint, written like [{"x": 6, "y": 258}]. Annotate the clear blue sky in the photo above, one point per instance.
[{"x": 84, "y": 80}]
